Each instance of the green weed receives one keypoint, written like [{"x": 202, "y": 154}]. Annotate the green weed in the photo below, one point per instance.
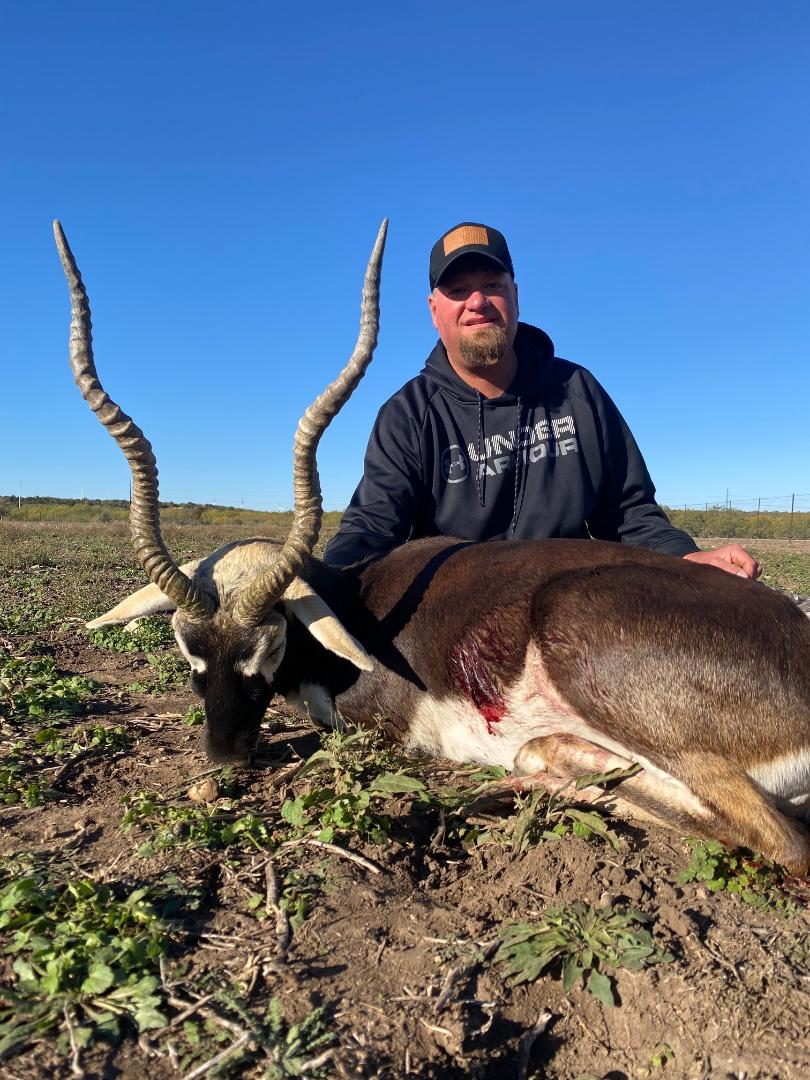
[
  {"x": 86, "y": 956},
  {"x": 149, "y": 634},
  {"x": 24, "y": 607},
  {"x": 582, "y": 942},
  {"x": 18, "y": 787},
  {"x": 194, "y": 716},
  {"x": 756, "y": 880},
  {"x": 61, "y": 745},
  {"x": 214, "y": 826},
  {"x": 168, "y": 672},
  {"x": 359, "y": 773},
  {"x": 31, "y": 686},
  {"x": 299, "y": 888},
  {"x": 539, "y": 817},
  {"x": 285, "y": 1050}
]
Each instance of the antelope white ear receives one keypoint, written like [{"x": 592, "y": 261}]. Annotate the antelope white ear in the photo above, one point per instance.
[
  {"x": 146, "y": 601},
  {"x": 303, "y": 602}
]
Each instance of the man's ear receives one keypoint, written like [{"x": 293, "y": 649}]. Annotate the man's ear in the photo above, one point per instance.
[
  {"x": 517, "y": 299},
  {"x": 432, "y": 306}
]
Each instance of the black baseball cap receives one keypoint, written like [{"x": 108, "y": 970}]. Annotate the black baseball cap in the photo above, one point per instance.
[{"x": 468, "y": 238}]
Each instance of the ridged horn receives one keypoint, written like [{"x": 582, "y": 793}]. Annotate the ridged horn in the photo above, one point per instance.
[
  {"x": 254, "y": 606},
  {"x": 144, "y": 512}
]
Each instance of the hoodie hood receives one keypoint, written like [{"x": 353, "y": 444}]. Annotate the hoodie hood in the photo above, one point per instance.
[{"x": 535, "y": 351}]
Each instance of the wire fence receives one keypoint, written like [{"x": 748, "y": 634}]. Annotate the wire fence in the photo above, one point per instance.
[{"x": 766, "y": 517}]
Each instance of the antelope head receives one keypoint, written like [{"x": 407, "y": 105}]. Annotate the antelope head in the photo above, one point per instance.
[{"x": 231, "y": 608}]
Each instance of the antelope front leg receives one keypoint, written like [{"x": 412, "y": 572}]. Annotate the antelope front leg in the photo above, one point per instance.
[{"x": 702, "y": 793}]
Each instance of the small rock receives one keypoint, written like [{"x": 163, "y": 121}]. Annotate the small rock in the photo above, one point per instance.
[{"x": 206, "y": 791}]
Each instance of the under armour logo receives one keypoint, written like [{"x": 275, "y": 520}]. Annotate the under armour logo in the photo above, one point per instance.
[{"x": 455, "y": 466}]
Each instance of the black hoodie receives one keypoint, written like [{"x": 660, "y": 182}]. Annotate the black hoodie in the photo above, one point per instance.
[{"x": 550, "y": 457}]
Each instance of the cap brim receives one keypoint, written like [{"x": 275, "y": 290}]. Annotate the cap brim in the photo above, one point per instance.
[{"x": 471, "y": 249}]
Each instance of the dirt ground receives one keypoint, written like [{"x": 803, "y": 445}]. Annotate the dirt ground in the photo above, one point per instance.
[{"x": 396, "y": 947}]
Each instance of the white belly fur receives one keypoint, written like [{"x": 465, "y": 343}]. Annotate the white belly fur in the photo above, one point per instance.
[
  {"x": 788, "y": 779},
  {"x": 454, "y": 728}
]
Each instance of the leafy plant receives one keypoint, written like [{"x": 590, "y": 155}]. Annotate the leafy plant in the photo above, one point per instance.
[
  {"x": 82, "y": 950},
  {"x": 25, "y": 610},
  {"x": 16, "y": 786},
  {"x": 359, "y": 773},
  {"x": 298, "y": 889},
  {"x": 80, "y": 739},
  {"x": 147, "y": 636},
  {"x": 214, "y": 825},
  {"x": 661, "y": 1057},
  {"x": 32, "y": 686},
  {"x": 286, "y": 1049},
  {"x": 581, "y": 942},
  {"x": 168, "y": 672},
  {"x": 756, "y": 880},
  {"x": 538, "y": 817},
  {"x": 194, "y": 716}
]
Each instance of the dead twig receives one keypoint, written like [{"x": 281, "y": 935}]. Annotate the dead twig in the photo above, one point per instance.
[
  {"x": 317, "y": 1062},
  {"x": 75, "y": 1058},
  {"x": 211, "y": 1014},
  {"x": 217, "y": 1059},
  {"x": 272, "y": 906},
  {"x": 80, "y": 758},
  {"x": 462, "y": 971},
  {"x": 435, "y": 1029},
  {"x": 181, "y": 1016},
  {"x": 528, "y": 1041},
  {"x": 334, "y": 849}
]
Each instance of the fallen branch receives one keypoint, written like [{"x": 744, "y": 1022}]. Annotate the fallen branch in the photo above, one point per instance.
[
  {"x": 217, "y": 1059},
  {"x": 527, "y": 1042},
  {"x": 334, "y": 849},
  {"x": 181, "y": 1016},
  {"x": 462, "y": 971},
  {"x": 272, "y": 905}
]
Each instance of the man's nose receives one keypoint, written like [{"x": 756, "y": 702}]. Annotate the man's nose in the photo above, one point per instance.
[{"x": 477, "y": 300}]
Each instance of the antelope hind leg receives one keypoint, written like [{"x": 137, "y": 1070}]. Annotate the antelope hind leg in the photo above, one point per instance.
[
  {"x": 553, "y": 762},
  {"x": 702, "y": 793}
]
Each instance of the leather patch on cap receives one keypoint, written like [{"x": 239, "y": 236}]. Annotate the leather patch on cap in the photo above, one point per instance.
[{"x": 465, "y": 234}]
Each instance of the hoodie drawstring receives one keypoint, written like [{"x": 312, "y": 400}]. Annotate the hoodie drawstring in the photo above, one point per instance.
[
  {"x": 478, "y": 470},
  {"x": 518, "y": 462},
  {"x": 517, "y": 455}
]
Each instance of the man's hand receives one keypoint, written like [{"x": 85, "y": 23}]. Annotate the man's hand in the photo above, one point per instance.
[{"x": 732, "y": 558}]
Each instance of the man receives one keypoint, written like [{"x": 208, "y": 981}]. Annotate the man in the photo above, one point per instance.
[{"x": 498, "y": 439}]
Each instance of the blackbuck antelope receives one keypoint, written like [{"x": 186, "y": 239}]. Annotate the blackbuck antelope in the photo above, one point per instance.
[{"x": 554, "y": 658}]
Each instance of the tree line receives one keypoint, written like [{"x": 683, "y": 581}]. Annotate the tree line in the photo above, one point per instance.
[{"x": 712, "y": 521}]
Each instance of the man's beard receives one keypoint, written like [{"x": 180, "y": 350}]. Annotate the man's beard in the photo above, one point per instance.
[{"x": 485, "y": 348}]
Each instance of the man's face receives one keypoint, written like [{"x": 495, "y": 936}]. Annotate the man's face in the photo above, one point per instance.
[{"x": 475, "y": 310}]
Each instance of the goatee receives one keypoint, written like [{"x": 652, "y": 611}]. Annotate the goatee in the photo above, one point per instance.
[{"x": 485, "y": 348}]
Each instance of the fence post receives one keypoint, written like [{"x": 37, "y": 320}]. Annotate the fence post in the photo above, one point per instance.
[
  {"x": 756, "y": 529},
  {"x": 792, "y": 503}
]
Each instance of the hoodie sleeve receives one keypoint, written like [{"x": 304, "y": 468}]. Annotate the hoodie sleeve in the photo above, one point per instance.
[
  {"x": 391, "y": 494},
  {"x": 626, "y": 507}
]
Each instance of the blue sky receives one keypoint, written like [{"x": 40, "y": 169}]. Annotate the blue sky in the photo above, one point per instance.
[{"x": 221, "y": 171}]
